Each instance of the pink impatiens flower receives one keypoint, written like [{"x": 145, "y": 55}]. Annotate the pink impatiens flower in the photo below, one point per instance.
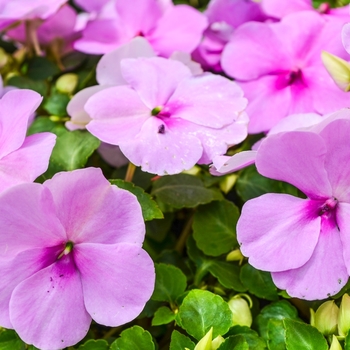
[
  {"x": 303, "y": 242},
  {"x": 22, "y": 159},
  {"x": 71, "y": 251},
  {"x": 279, "y": 67},
  {"x": 165, "y": 119},
  {"x": 167, "y": 27}
]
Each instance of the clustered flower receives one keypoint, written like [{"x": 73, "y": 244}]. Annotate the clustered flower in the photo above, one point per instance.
[{"x": 71, "y": 247}]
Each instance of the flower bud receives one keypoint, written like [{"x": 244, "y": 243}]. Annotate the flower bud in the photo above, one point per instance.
[
  {"x": 217, "y": 342},
  {"x": 344, "y": 316},
  {"x": 206, "y": 342},
  {"x": 227, "y": 183},
  {"x": 338, "y": 69},
  {"x": 326, "y": 318},
  {"x": 235, "y": 255},
  {"x": 241, "y": 314},
  {"x": 335, "y": 344},
  {"x": 67, "y": 83}
]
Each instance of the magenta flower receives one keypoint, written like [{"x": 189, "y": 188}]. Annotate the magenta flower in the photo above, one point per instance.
[
  {"x": 22, "y": 159},
  {"x": 71, "y": 252},
  {"x": 280, "y": 70},
  {"x": 61, "y": 26},
  {"x": 168, "y": 28},
  {"x": 223, "y": 17},
  {"x": 166, "y": 120},
  {"x": 15, "y": 10},
  {"x": 303, "y": 242},
  {"x": 279, "y": 9}
]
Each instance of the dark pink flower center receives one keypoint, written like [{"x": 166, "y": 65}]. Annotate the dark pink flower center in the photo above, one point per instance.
[
  {"x": 327, "y": 209},
  {"x": 289, "y": 78}
]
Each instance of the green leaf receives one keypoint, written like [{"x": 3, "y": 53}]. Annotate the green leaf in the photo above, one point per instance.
[
  {"x": 40, "y": 68},
  {"x": 303, "y": 336},
  {"x": 56, "y": 104},
  {"x": 250, "y": 336},
  {"x": 163, "y": 316},
  {"x": 9, "y": 340},
  {"x": 94, "y": 345},
  {"x": 170, "y": 283},
  {"x": 214, "y": 227},
  {"x": 201, "y": 310},
  {"x": 258, "y": 282},
  {"x": 251, "y": 184},
  {"x": 150, "y": 209},
  {"x": 73, "y": 149},
  {"x": 236, "y": 342},
  {"x": 158, "y": 229},
  {"x": 276, "y": 335},
  {"x": 25, "y": 83},
  {"x": 227, "y": 274},
  {"x": 44, "y": 124},
  {"x": 275, "y": 311},
  {"x": 134, "y": 338},
  {"x": 182, "y": 191},
  {"x": 347, "y": 342},
  {"x": 180, "y": 341}
]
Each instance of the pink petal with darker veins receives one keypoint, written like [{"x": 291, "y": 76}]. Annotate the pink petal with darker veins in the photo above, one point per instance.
[
  {"x": 53, "y": 305},
  {"x": 283, "y": 157},
  {"x": 86, "y": 203},
  {"x": 283, "y": 233},
  {"x": 117, "y": 281}
]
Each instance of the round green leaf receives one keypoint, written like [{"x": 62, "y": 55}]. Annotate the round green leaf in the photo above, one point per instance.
[
  {"x": 214, "y": 227},
  {"x": 180, "y": 341},
  {"x": 276, "y": 335},
  {"x": 171, "y": 282},
  {"x": 163, "y": 316},
  {"x": 150, "y": 209},
  {"x": 258, "y": 282},
  {"x": 182, "y": 191},
  {"x": 94, "y": 345},
  {"x": 201, "y": 310},
  {"x": 303, "y": 336},
  {"x": 134, "y": 338},
  {"x": 250, "y": 336},
  {"x": 236, "y": 342}
]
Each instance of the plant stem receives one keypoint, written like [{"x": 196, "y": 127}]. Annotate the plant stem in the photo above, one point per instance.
[
  {"x": 130, "y": 172},
  {"x": 184, "y": 234}
]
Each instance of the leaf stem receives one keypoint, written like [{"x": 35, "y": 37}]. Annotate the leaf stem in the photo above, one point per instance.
[{"x": 180, "y": 244}]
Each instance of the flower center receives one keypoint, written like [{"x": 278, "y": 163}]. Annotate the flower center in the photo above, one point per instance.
[
  {"x": 327, "y": 208},
  {"x": 67, "y": 249},
  {"x": 289, "y": 78},
  {"x": 324, "y": 7}
]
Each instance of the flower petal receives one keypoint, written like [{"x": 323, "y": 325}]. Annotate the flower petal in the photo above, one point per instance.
[
  {"x": 118, "y": 114},
  {"x": 47, "y": 309},
  {"x": 87, "y": 204},
  {"x": 169, "y": 151},
  {"x": 208, "y": 100},
  {"x": 146, "y": 76},
  {"x": 296, "y": 157},
  {"x": 323, "y": 275},
  {"x": 14, "y": 118},
  {"x": 278, "y": 232},
  {"x": 108, "y": 68},
  {"x": 342, "y": 218},
  {"x": 32, "y": 225},
  {"x": 28, "y": 162},
  {"x": 117, "y": 281},
  {"x": 13, "y": 272},
  {"x": 225, "y": 165}
]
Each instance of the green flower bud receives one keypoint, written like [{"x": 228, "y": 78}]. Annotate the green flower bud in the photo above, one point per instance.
[
  {"x": 228, "y": 182},
  {"x": 335, "y": 344},
  {"x": 206, "y": 342},
  {"x": 235, "y": 255},
  {"x": 67, "y": 83},
  {"x": 344, "y": 316},
  {"x": 217, "y": 342},
  {"x": 338, "y": 69},
  {"x": 241, "y": 314},
  {"x": 326, "y": 318}
]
